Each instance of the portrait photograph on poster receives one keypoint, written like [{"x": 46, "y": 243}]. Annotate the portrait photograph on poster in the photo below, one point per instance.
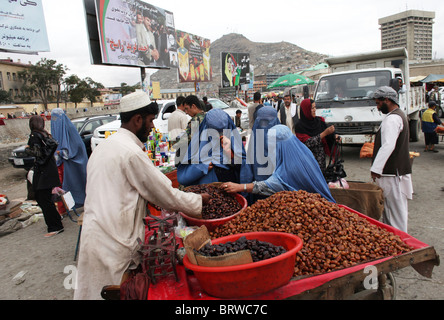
[
  {"x": 194, "y": 58},
  {"x": 136, "y": 33},
  {"x": 235, "y": 69}
]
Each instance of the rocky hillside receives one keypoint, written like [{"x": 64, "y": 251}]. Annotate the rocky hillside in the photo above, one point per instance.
[{"x": 267, "y": 58}]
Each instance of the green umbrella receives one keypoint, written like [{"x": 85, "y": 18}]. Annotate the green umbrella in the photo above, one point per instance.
[{"x": 290, "y": 80}]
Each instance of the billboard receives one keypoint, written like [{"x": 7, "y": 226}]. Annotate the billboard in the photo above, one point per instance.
[
  {"x": 135, "y": 33},
  {"x": 194, "y": 58},
  {"x": 22, "y": 27},
  {"x": 235, "y": 69}
]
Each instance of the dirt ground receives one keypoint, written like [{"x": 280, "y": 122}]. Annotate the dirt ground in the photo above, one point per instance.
[{"x": 47, "y": 263}]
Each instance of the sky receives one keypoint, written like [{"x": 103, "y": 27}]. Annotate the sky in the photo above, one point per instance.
[{"x": 331, "y": 27}]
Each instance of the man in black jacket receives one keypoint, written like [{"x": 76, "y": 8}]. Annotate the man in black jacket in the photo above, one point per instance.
[{"x": 391, "y": 168}]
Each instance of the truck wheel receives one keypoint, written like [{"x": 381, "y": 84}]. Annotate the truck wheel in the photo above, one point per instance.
[{"x": 414, "y": 130}]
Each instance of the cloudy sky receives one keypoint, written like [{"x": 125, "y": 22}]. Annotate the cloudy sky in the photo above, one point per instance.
[{"x": 332, "y": 27}]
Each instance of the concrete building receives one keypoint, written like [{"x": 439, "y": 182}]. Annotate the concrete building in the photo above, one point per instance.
[
  {"x": 413, "y": 30},
  {"x": 10, "y": 82}
]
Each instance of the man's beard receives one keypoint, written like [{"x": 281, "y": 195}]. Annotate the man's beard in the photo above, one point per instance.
[
  {"x": 384, "y": 108},
  {"x": 142, "y": 133}
]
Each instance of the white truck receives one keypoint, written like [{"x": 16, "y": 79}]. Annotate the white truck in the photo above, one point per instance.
[{"x": 344, "y": 96}]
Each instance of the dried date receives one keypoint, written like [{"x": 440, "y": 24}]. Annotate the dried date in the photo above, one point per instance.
[
  {"x": 260, "y": 250},
  {"x": 333, "y": 236},
  {"x": 221, "y": 204}
]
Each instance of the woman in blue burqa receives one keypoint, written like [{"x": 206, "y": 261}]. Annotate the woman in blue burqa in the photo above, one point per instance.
[
  {"x": 258, "y": 167},
  {"x": 215, "y": 153},
  {"x": 296, "y": 168},
  {"x": 71, "y": 152}
]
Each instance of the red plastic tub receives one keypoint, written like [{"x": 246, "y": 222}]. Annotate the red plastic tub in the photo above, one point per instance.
[
  {"x": 252, "y": 278},
  {"x": 212, "y": 224}
]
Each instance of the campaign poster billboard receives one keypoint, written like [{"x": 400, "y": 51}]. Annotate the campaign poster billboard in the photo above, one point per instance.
[
  {"x": 235, "y": 69},
  {"x": 135, "y": 33},
  {"x": 194, "y": 58},
  {"x": 22, "y": 27}
]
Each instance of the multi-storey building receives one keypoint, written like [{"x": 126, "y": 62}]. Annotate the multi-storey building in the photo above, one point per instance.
[
  {"x": 9, "y": 79},
  {"x": 10, "y": 82},
  {"x": 412, "y": 29}
]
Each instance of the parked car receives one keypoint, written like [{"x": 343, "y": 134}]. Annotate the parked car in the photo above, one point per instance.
[
  {"x": 166, "y": 108},
  {"x": 19, "y": 159},
  {"x": 85, "y": 127}
]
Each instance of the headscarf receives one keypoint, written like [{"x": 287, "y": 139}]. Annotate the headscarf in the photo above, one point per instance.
[
  {"x": 309, "y": 126},
  {"x": 72, "y": 154},
  {"x": 37, "y": 124},
  {"x": 199, "y": 155},
  {"x": 296, "y": 167},
  {"x": 256, "y": 158}
]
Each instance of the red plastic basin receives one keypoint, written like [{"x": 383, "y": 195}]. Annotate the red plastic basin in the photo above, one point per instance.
[
  {"x": 212, "y": 224},
  {"x": 252, "y": 278}
]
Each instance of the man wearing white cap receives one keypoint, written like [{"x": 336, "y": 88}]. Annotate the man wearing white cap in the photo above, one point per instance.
[
  {"x": 391, "y": 168},
  {"x": 120, "y": 180}
]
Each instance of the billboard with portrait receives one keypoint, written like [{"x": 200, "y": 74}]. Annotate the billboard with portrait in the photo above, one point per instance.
[
  {"x": 23, "y": 28},
  {"x": 194, "y": 58},
  {"x": 135, "y": 33},
  {"x": 235, "y": 69}
]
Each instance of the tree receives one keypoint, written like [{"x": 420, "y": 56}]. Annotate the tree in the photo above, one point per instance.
[
  {"x": 42, "y": 77},
  {"x": 92, "y": 89},
  {"x": 5, "y": 97},
  {"x": 80, "y": 89},
  {"x": 126, "y": 89},
  {"x": 70, "y": 83}
]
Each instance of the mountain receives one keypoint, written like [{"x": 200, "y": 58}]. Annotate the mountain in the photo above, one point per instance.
[{"x": 267, "y": 58}]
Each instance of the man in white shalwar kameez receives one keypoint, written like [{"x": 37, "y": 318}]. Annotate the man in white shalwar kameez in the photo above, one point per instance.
[
  {"x": 120, "y": 180},
  {"x": 391, "y": 168}
]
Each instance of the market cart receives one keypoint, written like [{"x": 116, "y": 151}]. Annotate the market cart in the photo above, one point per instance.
[
  {"x": 347, "y": 283},
  {"x": 342, "y": 284}
]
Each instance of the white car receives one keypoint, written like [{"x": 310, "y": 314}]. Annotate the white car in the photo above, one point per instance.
[{"x": 166, "y": 107}]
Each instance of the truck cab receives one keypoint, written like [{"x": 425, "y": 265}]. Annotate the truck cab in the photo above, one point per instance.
[{"x": 345, "y": 96}]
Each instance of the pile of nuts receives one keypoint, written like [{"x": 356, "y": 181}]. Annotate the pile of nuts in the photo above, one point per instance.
[
  {"x": 221, "y": 204},
  {"x": 260, "y": 250},
  {"x": 333, "y": 237}
]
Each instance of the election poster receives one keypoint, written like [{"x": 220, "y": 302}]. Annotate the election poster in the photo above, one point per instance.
[
  {"x": 135, "y": 33},
  {"x": 194, "y": 58},
  {"x": 235, "y": 69}
]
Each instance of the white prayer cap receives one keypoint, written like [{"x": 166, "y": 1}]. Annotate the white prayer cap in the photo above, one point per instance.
[{"x": 134, "y": 101}]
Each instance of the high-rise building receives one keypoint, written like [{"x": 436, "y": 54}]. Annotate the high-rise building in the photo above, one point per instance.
[{"x": 412, "y": 29}]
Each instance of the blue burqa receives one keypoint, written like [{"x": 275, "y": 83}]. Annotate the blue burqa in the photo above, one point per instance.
[
  {"x": 296, "y": 167},
  {"x": 205, "y": 148},
  {"x": 257, "y": 155},
  {"x": 72, "y": 154}
]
